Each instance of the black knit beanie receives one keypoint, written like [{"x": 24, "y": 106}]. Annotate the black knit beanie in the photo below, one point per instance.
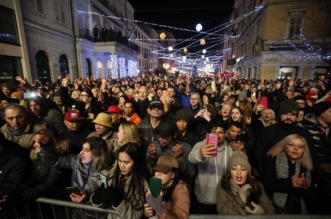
[{"x": 321, "y": 107}]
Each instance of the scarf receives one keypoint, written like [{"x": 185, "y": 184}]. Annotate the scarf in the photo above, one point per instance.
[{"x": 282, "y": 167}]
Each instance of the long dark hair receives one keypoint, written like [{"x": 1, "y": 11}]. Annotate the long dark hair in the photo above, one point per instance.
[{"x": 139, "y": 175}]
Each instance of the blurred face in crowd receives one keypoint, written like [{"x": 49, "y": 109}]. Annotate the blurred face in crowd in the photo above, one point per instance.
[
  {"x": 6, "y": 91},
  {"x": 35, "y": 108},
  {"x": 266, "y": 115},
  {"x": 165, "y": 140},
  {"x": 125, "y": 164},
  {"x": 235, "y": 114},
  {"x": 120, "y": 134},
  {"x": 220, "y": 134},
  {"x": 155, "y": 112},
  {"x": 234, "y": 131},
  {"x": 101, "y": 130},
  {"x": 115, "y": 117},
  {"x": 86, "y": 154},
  {"x": 128, "y": 109},
  {"x": 143, "y": 93},
  {"x": 181, "y": 125},
  {"x": 289, "y": 94},
  {"x": 165, "y": 177},
  {"x": 40, "y": 139},
  {"x": 301, "y": 114},
  {"x": 15, "y": 118},
  {"x": 195, "y": 100},
  {"x": 226, "y": 108},
  {"x": 295, "y": 149},
  {"x": 73, "y": 125},
  {"x": 325, "y": 117},
  {"x": 84, "y": 97},
  {"x": 171, "y": 91},
  {"x": 239, "y": 174},
  {"x": 301, "y": 103},
  {"x": 288, "y": 118}
]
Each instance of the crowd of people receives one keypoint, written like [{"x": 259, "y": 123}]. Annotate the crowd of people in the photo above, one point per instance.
[{"x": 218, "y": 145}]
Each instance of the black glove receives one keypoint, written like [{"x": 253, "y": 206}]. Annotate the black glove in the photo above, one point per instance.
[{"x": 96, "y": 197}]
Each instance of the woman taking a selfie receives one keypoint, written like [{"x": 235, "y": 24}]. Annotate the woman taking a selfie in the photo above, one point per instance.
[
  {"x": 173, "y": 198},
  {"x": 239, "y": 193}
]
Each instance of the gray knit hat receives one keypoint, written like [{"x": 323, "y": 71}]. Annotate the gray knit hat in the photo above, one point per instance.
[{"x": 239, "y": 158}]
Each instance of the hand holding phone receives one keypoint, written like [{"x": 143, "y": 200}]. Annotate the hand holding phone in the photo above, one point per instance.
[
  {"x": 155, "y": 185},
  {"x": 213, "y": 139},
  {"x": 264, "y": 102}
]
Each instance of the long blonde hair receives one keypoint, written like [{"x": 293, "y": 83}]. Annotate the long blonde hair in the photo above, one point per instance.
[
  {"x": 131, "y": 133},
  {"x": 279, "y": 147}
]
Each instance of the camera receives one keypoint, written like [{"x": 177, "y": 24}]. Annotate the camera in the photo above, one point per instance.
[{"x": 252, "y": 198}]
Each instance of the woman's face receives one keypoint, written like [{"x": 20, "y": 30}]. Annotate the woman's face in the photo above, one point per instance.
[
  {"x": 165, "y": 177},
  {"x": 35, "y": 108},
  {"x": 86, "y": 154},
  {"x": 125, "y": 164},
  {"x": 120, "y": 134},
  {"x": 205, "y": 99},
  {"x": 295, "y": 149},
  {"x": 236, "y": 115},
  {"x": 121, "y": 101},
  {"x": 266, "y": 115},
  {"x": 39, "y": 140},
  {"x": 239, "y": 174}
]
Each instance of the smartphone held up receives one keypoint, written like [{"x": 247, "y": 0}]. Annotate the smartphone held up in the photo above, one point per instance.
[{"x": 213, "y": 139}]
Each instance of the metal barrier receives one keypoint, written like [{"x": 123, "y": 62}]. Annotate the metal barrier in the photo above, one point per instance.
[{"x": 47, "y": 208}]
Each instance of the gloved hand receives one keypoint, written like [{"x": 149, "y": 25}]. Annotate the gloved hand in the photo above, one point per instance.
[
  {"x": 244, "y": 192},
  {"x": 104, "y": 195},
  {"x": 257, "y": 209},
  {"x": 155, "y": 203}
]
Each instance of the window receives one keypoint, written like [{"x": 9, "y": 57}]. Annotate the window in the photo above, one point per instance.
[
  {"x": 59, "y": 10},
  {"x": 8, "y": 28},
  {"x": 40, "y": 6},
  {"x": 295, "y": 24}
]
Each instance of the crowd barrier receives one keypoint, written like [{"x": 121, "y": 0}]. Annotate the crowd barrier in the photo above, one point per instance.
[{"x": 58, "y": 209}]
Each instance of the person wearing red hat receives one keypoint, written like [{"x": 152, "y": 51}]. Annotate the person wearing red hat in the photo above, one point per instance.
[
  {"x": 116, "y": 115},
  {"x": 318, "y": 123},
  {"x": 311, "y": 99}
]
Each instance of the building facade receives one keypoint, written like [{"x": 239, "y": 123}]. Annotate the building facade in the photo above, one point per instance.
[
  {"x": 82, "y": 37},
  {"x": 269, "y": 39}
]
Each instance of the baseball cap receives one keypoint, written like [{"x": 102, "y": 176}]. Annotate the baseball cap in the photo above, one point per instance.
[
  {"x": 73, "y": 115},
  {"x": 165, "y": 163},
  {"x": 156, "y": 103},
  {"x": 114, "y": 109}
]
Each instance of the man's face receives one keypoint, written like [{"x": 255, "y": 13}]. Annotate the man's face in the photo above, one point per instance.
[
  {"x": 194, "y": 100},
  {"x": 73, "y": 125},
  {"x": 301, "y": 103},
  {"x": 128, "y": 109},
  {"x": 220, "y": 134},
  {"x": 234, "y": 131},
  {"x": 15, "y": 118},
  {"x": 115, "y": 117},
  {"x": 300, "y": 116},
  {"x": 155, "y": 112},
  {"x": 101, "y": 130},
  {"x": 288, "y": 118},
  {"x": 165, "y": 141},
  {"x": 289, "y": 94},
  {"x": 171, "y": 92},
  {"x": 326, "y": 116},
  {"x": 143, "y": 93}
]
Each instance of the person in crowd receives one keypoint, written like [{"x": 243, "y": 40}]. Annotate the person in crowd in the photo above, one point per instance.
[
  {"x": 225, "y": 111},
  {"x": 176, "y": 104},
  {"x": 174, "y": 199},
  {"x": 286, "y": 125},
  {"x": 166, "y": 142},
  {"x": 211, "y": 166},
  {"x": 287, "y": 176},
  {"x": 93, "y": 159},
  {"x": 182, "y": 118},
  {"x": 77, "y": 130},
  {"x": 149, "y": 123},
  {"x": 235, "y": 137},
  {"x": 129, "y": 113},
  {"x": 52, "y": 117},
  {"x": 104, "y": 129},
  {"x": 239, "y": 193},
  {"x": 301, "y": 100},
  {"x": 318, "y": 125},
  {"x": 116, "y": 114},
  {"x": 21, "y": 125},
  {"x": 92, "y": 106},
  {"x": 127, "y": 132},
  {"x": 15, "y": 168},
  {"x": 143, "y": 102},
  {"x": 262, "y": 118},
  {"x": 127, "y": 185},
  {"x": 121, "y": 101}
]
